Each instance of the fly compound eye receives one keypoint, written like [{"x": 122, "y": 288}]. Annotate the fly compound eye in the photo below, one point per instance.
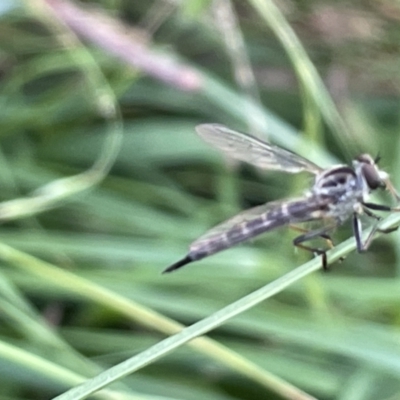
[
  {"x": 372, "y": 175},
  {"x": 373, "y": 178}
]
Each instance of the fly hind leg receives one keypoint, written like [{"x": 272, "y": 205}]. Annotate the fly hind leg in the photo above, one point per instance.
[
  {"x": 308, "y": 235},
  {"x": 323, "y": 235}
]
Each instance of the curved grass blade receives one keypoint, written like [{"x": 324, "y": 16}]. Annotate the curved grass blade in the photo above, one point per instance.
[{"x": 215, "y": 320}]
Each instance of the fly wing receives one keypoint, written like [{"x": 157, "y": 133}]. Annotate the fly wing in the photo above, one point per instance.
[{"x": 254, "y": 151}]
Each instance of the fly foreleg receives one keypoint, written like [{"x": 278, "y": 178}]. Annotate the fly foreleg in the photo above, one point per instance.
[
  {"x": 379, "y": 207},
  {"x": 357, "y": 228}
]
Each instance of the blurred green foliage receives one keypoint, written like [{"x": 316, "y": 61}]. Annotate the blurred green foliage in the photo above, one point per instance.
[{"x": 335, "y": 335}]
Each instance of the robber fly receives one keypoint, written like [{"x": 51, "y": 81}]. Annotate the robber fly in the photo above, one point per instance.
[{"x": 338, "y": 193}]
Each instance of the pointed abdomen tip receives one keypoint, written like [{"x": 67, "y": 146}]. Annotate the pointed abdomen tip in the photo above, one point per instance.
[{"x": 178, "y": 265}]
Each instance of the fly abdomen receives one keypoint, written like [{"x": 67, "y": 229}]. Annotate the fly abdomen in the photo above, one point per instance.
[
  {"x": 215, "y": 242},
  {"x": 247, "y": 225}
]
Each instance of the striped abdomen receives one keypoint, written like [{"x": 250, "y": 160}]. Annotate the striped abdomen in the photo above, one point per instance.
[{"x": 251, "y": 223}]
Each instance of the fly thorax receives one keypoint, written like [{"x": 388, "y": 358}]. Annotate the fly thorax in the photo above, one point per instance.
[{"x": 339, "y": 183}]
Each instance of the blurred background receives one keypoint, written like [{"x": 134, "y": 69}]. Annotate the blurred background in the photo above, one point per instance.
[{"x": 103, "y": 177}]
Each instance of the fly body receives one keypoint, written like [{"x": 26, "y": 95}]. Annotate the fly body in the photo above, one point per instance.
[{"x": 338, "y": 194}]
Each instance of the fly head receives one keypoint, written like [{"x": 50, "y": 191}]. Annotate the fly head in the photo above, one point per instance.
[{"x": 366, "y": 167}]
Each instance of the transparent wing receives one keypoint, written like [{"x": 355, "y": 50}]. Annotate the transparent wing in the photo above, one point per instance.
[{"x": 254, "y": 151}]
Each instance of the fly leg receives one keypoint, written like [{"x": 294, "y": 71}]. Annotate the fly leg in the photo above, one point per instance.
[
  {"x": 379, "y": 207},
  {"x": 323, "y": 235},
  {"x": 377, "y": 217},
  {"x": 357, "y": 228},
  {"x": 323, "y": 232}
]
